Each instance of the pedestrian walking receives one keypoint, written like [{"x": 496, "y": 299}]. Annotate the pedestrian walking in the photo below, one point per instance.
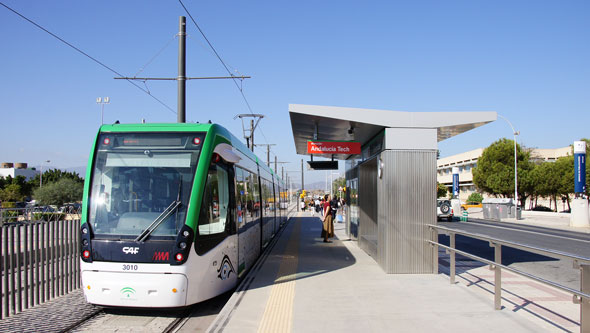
[{"x": 328, "y": 221}]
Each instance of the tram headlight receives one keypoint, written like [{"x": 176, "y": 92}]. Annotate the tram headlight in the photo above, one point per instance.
[
  {"x": 85, "y": 242},
  {"x": 181, "y": 249}
]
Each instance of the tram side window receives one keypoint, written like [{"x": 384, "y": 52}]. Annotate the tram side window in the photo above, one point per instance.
[
  {"x": 248, "y": 197},
  {"x": 214, "y": 212},
  {"x": 268, "y": 197},
  {"x": 255, "y": 195},
  {"x": 241, "y": 191}
]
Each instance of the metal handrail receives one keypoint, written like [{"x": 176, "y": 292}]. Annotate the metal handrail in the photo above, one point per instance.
[
  {"x": 529, "y": 248},
  {"x": 581, "y": 297},
  {"x": 513, "y": 270}
]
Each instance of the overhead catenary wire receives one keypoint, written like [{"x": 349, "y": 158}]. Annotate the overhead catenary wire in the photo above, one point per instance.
[
  {"x": 86, "y": 54},
  {"x": 222, "y": 62},
  {"x": 156, "y": 55}
]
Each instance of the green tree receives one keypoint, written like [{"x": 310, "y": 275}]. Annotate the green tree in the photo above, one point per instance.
[
  {"x": 337, "y": 183},
  {"x": 60, "y": 192},
  {"x": 26, "y": 187},
  {"x": 441, "y": 190},
  {"x": 54, "y": 175},
  {"x": 475, "y": 197},
  {"x": 548, "y": 177},
  {"x": 14, "y": 189},
  {"x": 3, "y": 182},
  {"x": 12, "y": 192},
  {"x": 494, "y": 173}
]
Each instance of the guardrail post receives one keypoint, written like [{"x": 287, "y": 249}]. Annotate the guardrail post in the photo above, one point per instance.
[
  {"x": 452, "y": 255},
  {"x": 434, "y": 238},
  {"x": 18, "y": 306},
  {"x": 12, "y": 270},
  {"x": 584, "y": 302},
  {"x": 497, "y": 276},
  {"x": 2, "y": 284}
]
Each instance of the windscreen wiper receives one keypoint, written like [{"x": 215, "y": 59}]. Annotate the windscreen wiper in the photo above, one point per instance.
[{"x": 163, "y": 216}]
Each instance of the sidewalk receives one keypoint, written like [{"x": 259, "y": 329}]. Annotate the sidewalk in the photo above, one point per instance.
[{"x": 305, "y": 285}]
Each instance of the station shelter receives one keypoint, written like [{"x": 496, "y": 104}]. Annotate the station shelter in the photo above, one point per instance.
[{"x": 391, "y": 182}]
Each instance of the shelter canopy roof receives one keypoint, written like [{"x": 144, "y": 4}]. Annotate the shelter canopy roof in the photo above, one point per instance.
[{"x": 354, "y": 124}]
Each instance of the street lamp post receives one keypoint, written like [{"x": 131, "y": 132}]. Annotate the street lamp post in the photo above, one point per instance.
[
  {"x": 515, "y": 133},
  {"x": 102, "y": 102},
  {"x": 41, "y": 175},
  {"x": 291, "y": 184}
]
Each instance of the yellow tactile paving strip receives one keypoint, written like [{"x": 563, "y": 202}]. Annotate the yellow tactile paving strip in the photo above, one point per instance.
[{"x": 278, "y": 314}]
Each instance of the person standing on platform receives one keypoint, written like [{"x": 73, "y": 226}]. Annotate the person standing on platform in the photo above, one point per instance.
[
  {"x": 317, "y": 206},
  {"x": 328, "y": 221},
  {"x": 334, "y": 207}
]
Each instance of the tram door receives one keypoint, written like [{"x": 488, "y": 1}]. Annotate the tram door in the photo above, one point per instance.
[{"x": 216, "y": 233}]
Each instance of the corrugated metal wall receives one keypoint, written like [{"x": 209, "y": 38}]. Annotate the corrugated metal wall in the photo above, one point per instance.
[
  {"x": 406, "y": 196},
  {"x": 368, "y": 228}
]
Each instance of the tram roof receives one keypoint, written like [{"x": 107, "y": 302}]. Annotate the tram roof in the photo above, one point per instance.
[{"x": 362, "y": 125}]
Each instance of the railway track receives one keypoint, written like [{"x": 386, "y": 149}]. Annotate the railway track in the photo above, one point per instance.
[{"x": 195, "y": 318}]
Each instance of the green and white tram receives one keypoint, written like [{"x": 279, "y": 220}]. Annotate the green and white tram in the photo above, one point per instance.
[{"x": 173, "y": 214}]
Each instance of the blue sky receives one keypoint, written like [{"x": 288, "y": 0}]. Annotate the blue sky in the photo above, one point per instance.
[{"x": 527, "y": 60}]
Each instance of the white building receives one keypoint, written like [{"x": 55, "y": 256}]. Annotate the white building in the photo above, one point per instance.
[
  {"x": 468, "y": 160},
  {"x": 17, "y": 169}
]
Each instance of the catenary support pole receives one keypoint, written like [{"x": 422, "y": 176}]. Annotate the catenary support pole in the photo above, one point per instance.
[
  {"x": 182, "y": 70},
  {"x": 302, "y": 180},
  {"x": 252, "y": 134}
]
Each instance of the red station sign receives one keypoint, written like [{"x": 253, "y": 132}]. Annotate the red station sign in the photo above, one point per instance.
[{"x": 333, "y": 147}]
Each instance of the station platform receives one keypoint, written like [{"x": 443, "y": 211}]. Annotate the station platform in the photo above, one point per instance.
[{"x": 305, "y": 285}]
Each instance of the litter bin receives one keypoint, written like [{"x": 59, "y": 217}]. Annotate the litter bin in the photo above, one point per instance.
[
  {"x": 519, "y": 213},
  {"x": 498, "y": 208},
  {"x": 465, "y": 216}
]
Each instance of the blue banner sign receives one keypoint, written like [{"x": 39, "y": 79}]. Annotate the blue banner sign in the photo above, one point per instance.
[
  {"x": 579, "y": 166},
  {"x": 455, "y": 181}
]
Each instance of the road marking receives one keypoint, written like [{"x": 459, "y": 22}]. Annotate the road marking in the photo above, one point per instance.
[{"x": 278, "y": 314}]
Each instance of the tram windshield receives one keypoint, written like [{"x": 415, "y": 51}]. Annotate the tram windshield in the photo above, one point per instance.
[{"x": 136, "y": 178}]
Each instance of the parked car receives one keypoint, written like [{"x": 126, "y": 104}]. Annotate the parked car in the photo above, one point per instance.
[
  {"x": 471, "y": 204},
  {"x": 43, "y": 209},
  {"x": 540, "y": 208},
  {"x": 70, "y": 208},
  {"x": 444, "y": 210}
]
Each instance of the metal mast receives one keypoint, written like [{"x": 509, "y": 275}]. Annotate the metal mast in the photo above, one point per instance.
[
  {"x": 182, "y": 70},
  {"x": 181, "y": 78}
]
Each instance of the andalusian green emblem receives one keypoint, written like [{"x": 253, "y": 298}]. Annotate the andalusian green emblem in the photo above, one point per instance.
[{"x": 128, "y": 292}]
